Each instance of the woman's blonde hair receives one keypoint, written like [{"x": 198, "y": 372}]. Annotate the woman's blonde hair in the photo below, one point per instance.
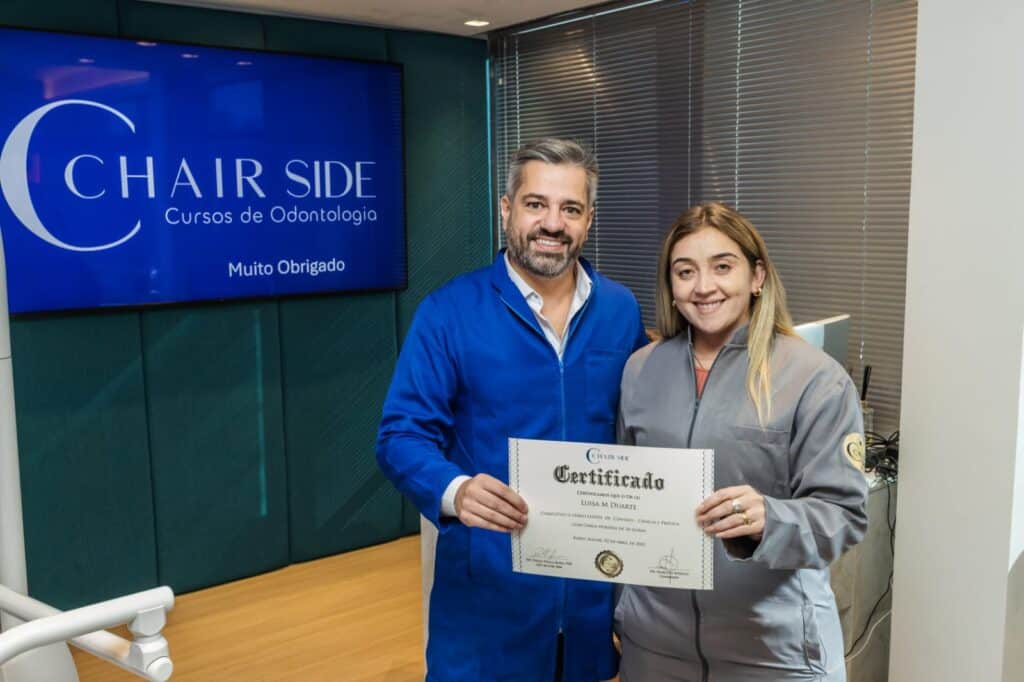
[{"x": 768, "y": 312}]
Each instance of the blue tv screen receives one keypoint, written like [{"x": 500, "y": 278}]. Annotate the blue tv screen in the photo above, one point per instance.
[{"x": 140, "y": 173}]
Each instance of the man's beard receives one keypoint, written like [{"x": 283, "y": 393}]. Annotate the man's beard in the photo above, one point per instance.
[{"x": 549, "y": 265}]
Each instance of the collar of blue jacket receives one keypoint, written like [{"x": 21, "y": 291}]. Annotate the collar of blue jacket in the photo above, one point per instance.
[{"x": 512, "y": 296}]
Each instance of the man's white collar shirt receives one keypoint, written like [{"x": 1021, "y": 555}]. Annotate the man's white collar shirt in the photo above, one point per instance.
[{"x": 536, "y": 303}]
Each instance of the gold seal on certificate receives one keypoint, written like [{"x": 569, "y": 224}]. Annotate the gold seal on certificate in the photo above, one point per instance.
[
  {"x": 608, "y": 563},
  {"x": 613, "y": 513}
]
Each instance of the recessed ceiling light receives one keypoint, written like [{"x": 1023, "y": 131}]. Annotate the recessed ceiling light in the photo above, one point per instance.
[
  {"x": 85, "y": 60},
  {"x": 145, "y": 43},
  {"x": 477, "y": 23},
  {"x": 189, "y": 55},
  {"x": 243, "y": 63}
]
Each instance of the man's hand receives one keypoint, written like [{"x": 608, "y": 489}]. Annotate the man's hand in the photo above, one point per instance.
[{"x": 485, "y": 502}]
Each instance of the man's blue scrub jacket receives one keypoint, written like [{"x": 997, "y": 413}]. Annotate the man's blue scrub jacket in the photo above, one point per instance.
[{"x": 475, "y": 370}]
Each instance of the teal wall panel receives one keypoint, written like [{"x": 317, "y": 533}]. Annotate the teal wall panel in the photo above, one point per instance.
[
  {"x": 338, "y": 353},
  {"x": 197, "y": 444},
  {"x": 85, "y": 470},
  {"x": 213, "y": 380},
  {"x": 325, "y": 39},
  {"x": 214, "y": 391},
  {"x": 98, "y": 17},
  {"x": 87, "y": 500},
  {"x": 446, "y": 168},
  {"x": 156, "y": 21},
  {"x": 338, "y": 356},
  {"x": 446, "y": 160}
]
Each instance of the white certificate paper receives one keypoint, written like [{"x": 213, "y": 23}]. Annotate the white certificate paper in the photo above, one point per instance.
[{"x": 613, "y": 513}]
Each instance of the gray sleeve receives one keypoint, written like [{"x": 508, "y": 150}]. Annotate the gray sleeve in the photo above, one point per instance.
[{"x": 827, "y": 511}]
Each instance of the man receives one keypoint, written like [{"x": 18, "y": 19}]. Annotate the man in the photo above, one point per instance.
[{"x": 532, "y": 346}]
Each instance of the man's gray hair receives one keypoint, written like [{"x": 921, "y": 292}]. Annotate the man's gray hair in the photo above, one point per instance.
[{"x": 555, "y": 151}]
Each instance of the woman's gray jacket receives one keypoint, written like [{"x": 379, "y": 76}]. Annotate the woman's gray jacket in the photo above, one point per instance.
[{"x": 772, "y": 614}]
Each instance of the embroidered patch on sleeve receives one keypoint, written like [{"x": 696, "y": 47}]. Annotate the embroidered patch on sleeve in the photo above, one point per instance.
[{"x": 853, "y": 446}]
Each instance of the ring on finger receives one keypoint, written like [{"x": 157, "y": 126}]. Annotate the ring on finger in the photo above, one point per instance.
[
  {"x": 737, "y": 508},
  {"x": 746, "y": 519}
]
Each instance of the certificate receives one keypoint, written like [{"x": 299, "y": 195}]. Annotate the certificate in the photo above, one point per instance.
[{"x": 613, "y": 513}]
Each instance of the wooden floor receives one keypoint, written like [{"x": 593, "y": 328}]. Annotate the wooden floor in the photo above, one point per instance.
[{"x": 355, "y": 616}]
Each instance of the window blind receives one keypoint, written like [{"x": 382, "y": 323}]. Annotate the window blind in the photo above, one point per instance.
[
  {"x": 618, "y": 80},
  {"x": 799, "y": 114}
]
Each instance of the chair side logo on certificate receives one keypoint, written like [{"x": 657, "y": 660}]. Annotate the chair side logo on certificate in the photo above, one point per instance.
[{"x": 615, "y": 513}]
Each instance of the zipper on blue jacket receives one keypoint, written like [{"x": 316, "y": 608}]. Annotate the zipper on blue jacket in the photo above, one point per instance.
[
  {"x": 565, "y": 419},
  {"x": 573, "y": 323},
  {"x": 689, "y": 439},
  {"x": 561, "y": 387}
]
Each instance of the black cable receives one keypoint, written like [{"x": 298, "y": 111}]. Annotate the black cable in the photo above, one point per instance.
[
  {"x": 891, "y": 523},
  {"x": 882, "y": 455}
]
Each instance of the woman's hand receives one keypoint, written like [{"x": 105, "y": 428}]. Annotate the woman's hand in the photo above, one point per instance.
[{"x": 733, "y": 512}]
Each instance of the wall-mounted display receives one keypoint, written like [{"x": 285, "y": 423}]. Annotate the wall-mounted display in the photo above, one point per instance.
[{"x": 139, "y": 173}]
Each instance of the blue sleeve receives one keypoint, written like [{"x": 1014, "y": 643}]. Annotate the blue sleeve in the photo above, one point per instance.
[{"x": 417, "y": 420}]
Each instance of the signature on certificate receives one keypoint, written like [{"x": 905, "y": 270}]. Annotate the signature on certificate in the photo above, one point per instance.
[
  {"x": 668, "y": 567},
  {"x": 547, "y": 554}
]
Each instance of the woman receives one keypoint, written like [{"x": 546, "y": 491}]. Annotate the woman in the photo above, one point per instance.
[{"x": 784, "y": 421}]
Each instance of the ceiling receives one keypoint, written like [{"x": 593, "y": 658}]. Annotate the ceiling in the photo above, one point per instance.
[{"x": 441, "y": 16}]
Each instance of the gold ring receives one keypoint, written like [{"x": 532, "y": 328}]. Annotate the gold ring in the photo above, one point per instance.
[
  {"x": 737, "y": 508},
  {"x": 746, "y": 519}
]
